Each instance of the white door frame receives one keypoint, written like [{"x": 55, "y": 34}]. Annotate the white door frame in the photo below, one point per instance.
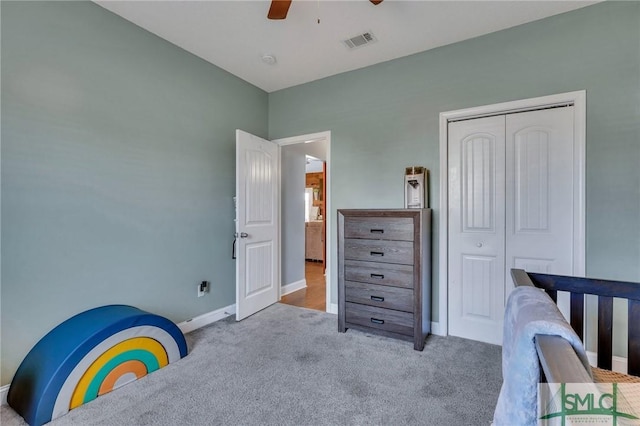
[
  {"x": 318, "y": 137},
  {"x": 578, "y": 100}
]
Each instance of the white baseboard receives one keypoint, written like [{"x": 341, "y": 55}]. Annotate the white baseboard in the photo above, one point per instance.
[
  {"x": 206, "y": 319},
  {"x": 618, "y": 363},
  {"x": 4, "y": 390},
  {"x": 295, "y": 286},
  {"x": 333, "y": 309}
]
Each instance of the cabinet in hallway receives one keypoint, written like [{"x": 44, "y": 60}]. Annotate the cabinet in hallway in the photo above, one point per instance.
[{"x": 314, "y": 241}]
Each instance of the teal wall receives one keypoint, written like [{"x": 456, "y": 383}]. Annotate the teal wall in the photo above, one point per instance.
[
  {"x": 117, "y": 156},
  {"x": 385, "y": 117},
  {"x": 118, "y": 170}
]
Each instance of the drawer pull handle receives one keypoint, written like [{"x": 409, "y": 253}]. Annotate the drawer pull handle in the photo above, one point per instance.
[
  {"x": 377, "y": 298},
  {"x": 377, "y": 321},
  {"x": 377, "y": 253},
  {"x": 377, "y": 231},
  {"x": 378, "y": 276}
]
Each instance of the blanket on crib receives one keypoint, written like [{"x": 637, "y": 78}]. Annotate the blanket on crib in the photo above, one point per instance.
[{"x": 529, "y": 311}]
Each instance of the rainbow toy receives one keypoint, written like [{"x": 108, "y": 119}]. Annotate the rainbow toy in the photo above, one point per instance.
[{"x": 89, "y": 355}]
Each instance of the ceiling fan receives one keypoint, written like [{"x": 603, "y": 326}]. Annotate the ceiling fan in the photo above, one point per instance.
[{"x": 280, "y": 8}]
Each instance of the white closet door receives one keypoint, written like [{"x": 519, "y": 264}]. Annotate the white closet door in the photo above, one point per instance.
[
  {"x": 539, "y": 201},
  {"x": 510, "y": 206},
  {"x": 476, "y": 228}
]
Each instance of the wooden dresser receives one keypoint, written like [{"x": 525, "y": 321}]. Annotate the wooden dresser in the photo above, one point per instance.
[{"x": 384, "y": 272}]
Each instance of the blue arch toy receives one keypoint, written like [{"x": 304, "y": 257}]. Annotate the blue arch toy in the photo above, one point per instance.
[{"x": 91, "y": 354}]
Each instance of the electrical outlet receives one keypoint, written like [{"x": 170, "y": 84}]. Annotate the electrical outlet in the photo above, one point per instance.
[{"x": 203, "y": 288}]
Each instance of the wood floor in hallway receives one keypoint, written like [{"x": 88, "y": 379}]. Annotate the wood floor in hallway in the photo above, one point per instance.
[{"x": 314, "y": 295}]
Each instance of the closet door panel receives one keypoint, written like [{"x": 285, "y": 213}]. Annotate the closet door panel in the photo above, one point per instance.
[
  {"x": 476, "y": 228},
  {"x": 539, "y": 191}
]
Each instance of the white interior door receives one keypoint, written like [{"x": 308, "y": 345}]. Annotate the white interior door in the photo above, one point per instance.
[
  {"x": 476, "y": 228},
  {"x": 510, "y": 205},
  {"x": 257, "y": 230}
]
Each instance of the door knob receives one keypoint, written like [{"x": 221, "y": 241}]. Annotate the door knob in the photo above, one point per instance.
[{"x": 243, "y": 235}]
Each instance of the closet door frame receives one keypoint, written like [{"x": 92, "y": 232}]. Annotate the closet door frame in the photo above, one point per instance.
[{"x": 578, "y": 99}]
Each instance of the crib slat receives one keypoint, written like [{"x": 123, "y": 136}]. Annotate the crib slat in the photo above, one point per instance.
[
  {"x": 577, "y": 313},
  {"x": 605, "y": 327},
  {"x": 633, "y": 356},
  {"x": 553, "y": 294}
]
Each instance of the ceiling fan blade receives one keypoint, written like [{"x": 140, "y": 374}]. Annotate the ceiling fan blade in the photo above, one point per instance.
[
  {"x": 376, "y": 2},
  {"x": 279, "y": 9}
]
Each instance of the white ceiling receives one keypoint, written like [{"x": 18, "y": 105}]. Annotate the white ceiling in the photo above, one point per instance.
[{"x": 235, "y": 34}]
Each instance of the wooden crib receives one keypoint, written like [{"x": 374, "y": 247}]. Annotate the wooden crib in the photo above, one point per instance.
[{"x": 559, "y": 362}]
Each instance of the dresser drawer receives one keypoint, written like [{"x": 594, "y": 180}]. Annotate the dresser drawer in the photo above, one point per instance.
[
  {"x": 379, "y": 251},
  {"x": 379, "y": 318},
  {"x": 400, "y": 299},
  {"x": 384, "y": 228},
  {"x": 395, "y": 275}
]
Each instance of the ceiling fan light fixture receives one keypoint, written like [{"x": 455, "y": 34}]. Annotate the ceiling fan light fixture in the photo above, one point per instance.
[{"x": 269, "y": 59}]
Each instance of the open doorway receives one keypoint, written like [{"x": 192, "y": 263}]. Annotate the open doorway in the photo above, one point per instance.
[
  {"x": 305, "y": 223},
  {"x": 313, "y": 296},
  {"x": 314, "y": 209}
]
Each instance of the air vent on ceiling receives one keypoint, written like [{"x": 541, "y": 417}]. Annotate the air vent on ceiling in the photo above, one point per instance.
[{"x": 360, "y": 40}]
